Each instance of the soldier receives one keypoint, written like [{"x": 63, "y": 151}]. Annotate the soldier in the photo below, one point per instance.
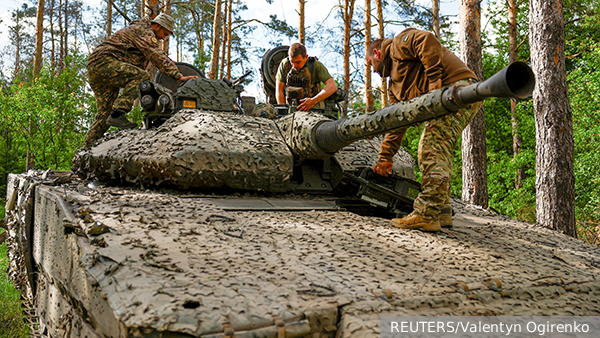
[
  {"x": 305, "y": 73},
  {"x": 119, "y": 63},
  {"x": 417, "y": 63}
]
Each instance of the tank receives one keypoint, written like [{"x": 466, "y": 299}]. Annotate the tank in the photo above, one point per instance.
[
  {"x": 203, "y": 225},
  {"x": 209, "y": 141}
]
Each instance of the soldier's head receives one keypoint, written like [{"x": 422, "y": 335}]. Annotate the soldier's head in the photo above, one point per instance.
[
  {"x": 297, "y": 55},
  {"x": 163, "y": 25},
  {"x": 373, "y": 56}
]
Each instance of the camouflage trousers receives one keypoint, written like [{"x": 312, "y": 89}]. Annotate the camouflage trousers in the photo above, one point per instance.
[
  {"x": 435, "y": 158},
  {"x": 107, "y": 78}
]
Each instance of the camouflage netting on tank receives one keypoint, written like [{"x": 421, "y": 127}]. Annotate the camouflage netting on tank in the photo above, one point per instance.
[
  {"x": 140, "y": 263},
  {"x": 193, "y": 149},
  {"x": 298, "y": 130},
  {"x": 365, "y": 153},
  {"x": 209, "y": 94}
]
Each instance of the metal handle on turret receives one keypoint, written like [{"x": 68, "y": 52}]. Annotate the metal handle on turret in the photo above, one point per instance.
[
  {"x": 515, "y": 81},
  {"x": 241, "y": 78}
]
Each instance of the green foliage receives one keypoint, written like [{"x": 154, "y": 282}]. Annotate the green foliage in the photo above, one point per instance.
[
  {"x": 411, "y": 144},
  {"x": 11, "y": 317},
  {"x": 503, "y": 196},
  {"x": 583, "y": 65},
  {"x": 47, "y": 115},
  {"x": 503, "y": 165},
  {"x": 584, "y": 85}
]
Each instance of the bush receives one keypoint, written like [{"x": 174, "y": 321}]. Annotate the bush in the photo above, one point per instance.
[{"x": 47, "y": 116}]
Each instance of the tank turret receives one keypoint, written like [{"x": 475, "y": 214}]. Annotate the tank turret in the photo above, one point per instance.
[{"x": 208, "y": 141}]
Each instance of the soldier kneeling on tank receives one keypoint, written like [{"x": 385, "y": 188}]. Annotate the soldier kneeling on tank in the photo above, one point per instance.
[
  {"x": 301, "y": 81},
  {"x": 119, "y": 63},
  {"x": 299, "y": 78}
]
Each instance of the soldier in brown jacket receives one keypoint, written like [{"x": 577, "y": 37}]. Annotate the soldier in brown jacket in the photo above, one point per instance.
[
  {"x": 119, "y": 63},
  {"x": 417, "y": 63}
]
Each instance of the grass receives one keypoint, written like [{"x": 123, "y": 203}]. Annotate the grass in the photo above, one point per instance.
[
  {"x": 589, "y": 232},
  {"x": 11, "y": 314}
]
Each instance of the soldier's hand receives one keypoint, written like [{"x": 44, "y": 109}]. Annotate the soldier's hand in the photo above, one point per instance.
[
  {"x": 306, "y": 104},
  {"x": 383, "y": 168},
  {"x": 185, "y": 78}
]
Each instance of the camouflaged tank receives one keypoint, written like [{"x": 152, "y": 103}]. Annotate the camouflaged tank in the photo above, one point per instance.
[
  {"x": 237, "y": 247},
  {"x": 198, "y": 135}
]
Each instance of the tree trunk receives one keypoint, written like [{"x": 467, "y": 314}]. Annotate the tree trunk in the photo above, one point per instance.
[
  {"x": 348, "y": 13},
  {"x": 368, "y": 89},
  {"x": 109, "y": 19},
  {"x": 512, "y": 57},
  {"x": 384, "y": 90},
  {"x": 435, "y": 12},
  {"x": 66, "y": 35},
  {"x": 39, "y": 38},
  {"x": 225, "y": 42},
  {"x": 301, "y": 33},
  {"x": 474, "y": 173},
  {"x": 150, "y": 8},
  {"x": 229, "y": 42},
  {"x": 216, "y": 43},
  {"x": 61, "y": 34},
  {"x": 555, "y": 181},
  {"x": 52, "y": 36},
  {"x": 166, "y": 41}
]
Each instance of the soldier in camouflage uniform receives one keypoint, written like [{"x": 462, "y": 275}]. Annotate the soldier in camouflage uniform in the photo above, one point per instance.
[
  {"x": 301, "y": 68},
  {"x": 417, "y": 63},
  {"x": 119, "y": 63}
]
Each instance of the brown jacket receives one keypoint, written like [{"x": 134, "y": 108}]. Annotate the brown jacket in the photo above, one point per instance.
[{"x": 413, "y": 60}]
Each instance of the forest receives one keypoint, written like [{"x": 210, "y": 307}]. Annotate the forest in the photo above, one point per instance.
[{"x": 511, "y": 160}]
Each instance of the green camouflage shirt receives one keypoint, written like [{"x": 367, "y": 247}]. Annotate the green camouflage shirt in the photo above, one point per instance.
[{"x": 136, "y": 44}]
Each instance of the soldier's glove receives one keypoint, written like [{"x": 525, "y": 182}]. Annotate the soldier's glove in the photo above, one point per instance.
[{"x": 383, "y": 168}]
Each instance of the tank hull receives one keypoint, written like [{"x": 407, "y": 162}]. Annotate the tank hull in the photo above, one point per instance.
[{"x": 124, "y": 262}]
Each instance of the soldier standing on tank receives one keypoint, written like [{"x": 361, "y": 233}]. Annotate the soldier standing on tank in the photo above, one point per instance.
[
  {"x": 301, "y": 68},
  {"x": 417, "y": 63},
  {"x": 119, "y": 63}
]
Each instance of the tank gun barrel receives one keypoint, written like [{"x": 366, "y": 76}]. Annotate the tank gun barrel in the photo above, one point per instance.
[{"x": 515, "y": 81}]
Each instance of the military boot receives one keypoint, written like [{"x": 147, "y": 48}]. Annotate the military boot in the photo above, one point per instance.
[
  {"x": 446, "y": 217},
  {"x": 120, "y": 122},
  {"x": 415, "y": 221}
]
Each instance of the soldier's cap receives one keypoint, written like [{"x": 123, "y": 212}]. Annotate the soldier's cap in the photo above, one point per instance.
[{"x": 165, "y": 20}]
